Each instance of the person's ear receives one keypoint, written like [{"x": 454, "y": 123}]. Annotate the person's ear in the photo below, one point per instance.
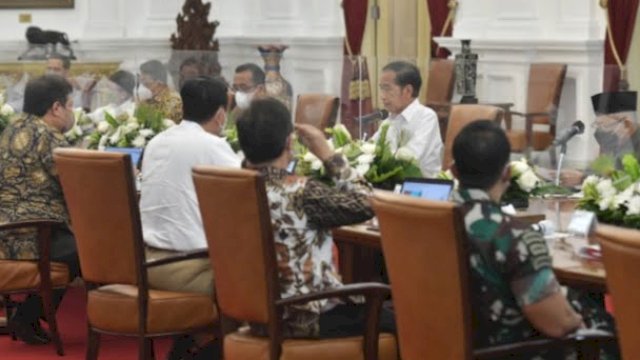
[
  {"x": 506, "y": 174},
  {"x": 407, "y": 90},
  {"x": 454, "y": 170}
]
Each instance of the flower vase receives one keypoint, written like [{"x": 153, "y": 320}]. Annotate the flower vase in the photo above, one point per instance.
[{"x": 275, "y": 85}]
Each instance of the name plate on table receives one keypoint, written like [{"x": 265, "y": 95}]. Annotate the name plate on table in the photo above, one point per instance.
[{"x": 582, "y": 223}]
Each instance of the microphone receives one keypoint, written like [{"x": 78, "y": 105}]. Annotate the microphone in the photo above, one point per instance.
[
  {"x": 376, "y": 115},
  {"x": 575, "y": 129}
]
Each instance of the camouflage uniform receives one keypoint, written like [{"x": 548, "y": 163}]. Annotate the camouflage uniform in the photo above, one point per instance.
[{"x": 510, "y": 267}]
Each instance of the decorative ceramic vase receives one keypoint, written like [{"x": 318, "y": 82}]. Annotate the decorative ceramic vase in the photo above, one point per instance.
[
  {"x": 466, "y": 72},
  {"x": 275, "y": 85}
]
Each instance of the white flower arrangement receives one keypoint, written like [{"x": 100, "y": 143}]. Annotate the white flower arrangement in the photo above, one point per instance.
[
  {"x": 82, "y": 125},
  {"x": 615, "y": 197},
  {"x": 128, "y": 130},
  {"x": 524, "y": 175},
  {"x": 373, "y": 160}
]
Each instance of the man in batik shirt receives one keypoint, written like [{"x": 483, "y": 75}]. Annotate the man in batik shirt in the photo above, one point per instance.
[
  {"x": 29, "y": 187},
  {"x": 303, "y": 211},
  {"x": 153, "y": 76},
  {"x": 515, "y": 295}
]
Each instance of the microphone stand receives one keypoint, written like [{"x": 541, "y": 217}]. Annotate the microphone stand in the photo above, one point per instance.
[{"x": 563, "y": 151}]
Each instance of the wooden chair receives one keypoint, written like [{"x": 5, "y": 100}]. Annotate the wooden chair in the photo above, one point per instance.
[
  {"x": 424, "y": 244},
  {"x": 319, "y": 110},
  {"x": 39, "y": 276},
  {"x": 461, "y": 116},
  {"x": 440, "y": 90},
  {"x": 621, "y": 256},
  {"x": 243, "y": 256},
  {"x": 543, "y": 97},
  {"x": 101, "y": 197}
]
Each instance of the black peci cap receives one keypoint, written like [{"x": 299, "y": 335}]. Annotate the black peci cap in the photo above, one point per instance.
[{"x": 614, "y": 102}]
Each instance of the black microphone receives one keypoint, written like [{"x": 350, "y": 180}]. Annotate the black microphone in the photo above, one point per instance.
[
  {"x": 376, "y": 115},
  {"x": 575, "y": 129}
]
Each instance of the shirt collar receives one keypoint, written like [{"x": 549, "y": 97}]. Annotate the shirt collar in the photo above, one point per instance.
[
  {"x": 409, "y": 111},
  {"x": 190, "y": 124}
]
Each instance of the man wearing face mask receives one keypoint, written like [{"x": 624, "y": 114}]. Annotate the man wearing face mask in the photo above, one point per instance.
[
  {"x": 248, "y": 84},
  {"x": 170, "y": 215},
  {"x": 168, "y": 207},
  {"x": 154, "y": 91},
  {"x": 616, "y": 129},
  {"x": 29, "y": 189},
  {"x": 120, "y": 86}
]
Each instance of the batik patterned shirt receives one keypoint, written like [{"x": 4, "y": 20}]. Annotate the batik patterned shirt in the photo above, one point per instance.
[
  {"x": 167, "y": 102},
  {"x": 510, "y": 268},
  {"x": 29, "y": 186},
  {"x": 303, "y": 211}
]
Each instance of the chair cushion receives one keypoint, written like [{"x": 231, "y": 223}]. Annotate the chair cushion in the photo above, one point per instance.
[
  {"x": 23, "y": 274},
  {"x": 518, "y": 140},
  {"x": 241, "y": 345},
  {"x": 114, "y": 308}
]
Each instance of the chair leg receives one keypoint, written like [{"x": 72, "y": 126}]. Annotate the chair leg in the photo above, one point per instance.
[
  {"x": 50, "y": 315},
  {"x": 9, "y": 308},
  {"x": 93, "y": 344},
  {"x": 4, "y": 322},
  {"x": 145, "y": 348}
]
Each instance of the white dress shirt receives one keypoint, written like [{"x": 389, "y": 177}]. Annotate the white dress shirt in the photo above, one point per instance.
[
  {"x": 168, "y": 203},
  {"x": 417, "y": 129}
]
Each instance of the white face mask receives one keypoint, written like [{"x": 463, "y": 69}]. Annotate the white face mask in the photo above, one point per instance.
[
  {"x": 143, "y": 93},
  {"x": 243, "y": 99}
]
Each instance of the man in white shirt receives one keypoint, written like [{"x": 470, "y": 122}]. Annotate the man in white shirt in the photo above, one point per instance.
[
  {"x": 413, "y": 126},
  {"x": 171, "y": 221}
]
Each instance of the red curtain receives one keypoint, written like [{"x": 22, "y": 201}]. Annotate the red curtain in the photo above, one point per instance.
[
  {"x": 356, "y": 88},
  {"x": 438, "y": 12},
  {"x": 622, "y": 17}
]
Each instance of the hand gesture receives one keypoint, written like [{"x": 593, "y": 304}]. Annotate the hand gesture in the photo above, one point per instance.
[{"x": 314, "y": 139}]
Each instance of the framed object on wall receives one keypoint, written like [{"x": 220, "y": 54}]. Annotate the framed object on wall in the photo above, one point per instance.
[{"x": 36, "y": 4}]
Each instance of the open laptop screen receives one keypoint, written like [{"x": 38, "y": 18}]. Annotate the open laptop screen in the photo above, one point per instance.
[
  {"x": 134, "y": 153},
  {"x": 431, "y": 189}
]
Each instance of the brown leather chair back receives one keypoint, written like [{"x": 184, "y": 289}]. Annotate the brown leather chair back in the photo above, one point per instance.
[
  {"x": 440, "y": 82},
  {"x": 423, "y": 244},
  {"x": 319, "y": 110},
  {"x": 544, "y": 90},
  {"x": 621, "y": 256},
  {"x": 236, "y": 219},
  {"x": 101, "y": 198},
  {"x": 461, "y": 116}
]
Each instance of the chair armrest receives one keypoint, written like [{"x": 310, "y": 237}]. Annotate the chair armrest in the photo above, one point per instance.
[
  {"x": 29, "y": 223},
  {"x": 189, "y": 255},
  {"x": 369, "y": 290},
  {"x": 530, "y": 115},
  {"x": 374, "y": 293},
  {"x": 590, "y": 341}
]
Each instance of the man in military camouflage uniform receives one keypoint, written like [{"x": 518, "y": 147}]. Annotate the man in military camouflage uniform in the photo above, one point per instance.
[{"x": 515, "y": 295}]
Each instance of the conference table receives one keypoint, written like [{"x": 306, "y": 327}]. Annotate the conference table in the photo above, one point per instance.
[{"x": 358, "y": 243}]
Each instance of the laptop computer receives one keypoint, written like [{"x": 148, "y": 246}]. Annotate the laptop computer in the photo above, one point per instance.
[
  {"x": 134, "y": 153},
  {"x": 431, "y": 189}
]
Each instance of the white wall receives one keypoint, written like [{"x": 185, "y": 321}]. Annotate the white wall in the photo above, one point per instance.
[
  {"x": 113, "y": 30},
  {"x": 509, "y": 35}
]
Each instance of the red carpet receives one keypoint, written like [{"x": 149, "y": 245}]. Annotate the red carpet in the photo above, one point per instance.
[{"x": 72, "y": 321}]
